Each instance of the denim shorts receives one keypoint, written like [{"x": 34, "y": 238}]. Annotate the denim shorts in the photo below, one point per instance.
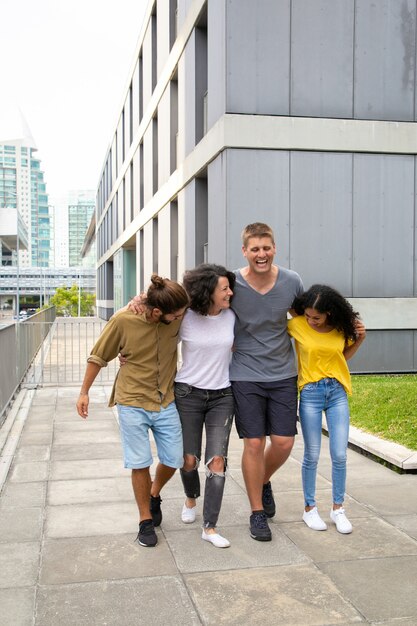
[
  {"x": 268, "y": 408},
  {"x": 165, "y": 425}
]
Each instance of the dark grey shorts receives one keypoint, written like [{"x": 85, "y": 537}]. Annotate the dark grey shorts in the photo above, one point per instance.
[{"x": 268, "y": 408}]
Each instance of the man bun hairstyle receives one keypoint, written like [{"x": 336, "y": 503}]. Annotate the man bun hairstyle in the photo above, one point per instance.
[{"x": 166, "y": 295}]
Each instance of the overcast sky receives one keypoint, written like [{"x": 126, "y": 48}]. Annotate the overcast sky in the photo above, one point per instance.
[{"x": 65, "y": 64}]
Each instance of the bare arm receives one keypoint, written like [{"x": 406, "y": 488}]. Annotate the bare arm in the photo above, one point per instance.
[
  {"x": 89, "y": 377},
  {"x": 349, "y": 351}
]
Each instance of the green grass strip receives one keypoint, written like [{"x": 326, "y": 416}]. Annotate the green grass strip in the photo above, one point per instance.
[{"x": 386, "y": 406}]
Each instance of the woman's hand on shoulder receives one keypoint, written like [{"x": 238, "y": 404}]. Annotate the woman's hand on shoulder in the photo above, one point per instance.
[
  {"x": 136, "y": 304},
  {"x": 122, "y": 359}
]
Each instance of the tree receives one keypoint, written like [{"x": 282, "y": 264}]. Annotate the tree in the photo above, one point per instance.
[{"x": 66, "y": 301}]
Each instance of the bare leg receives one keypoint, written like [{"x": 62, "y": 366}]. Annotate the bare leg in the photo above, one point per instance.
[
  {"x": 216, "y": 466},
  {"x": 190, "y": 464},
  {"x": 162, "y": 475},
  {"x": 276, "y": 454},
  {"x": 141, "y": 483},
  {"x": 253, "y": 469}
]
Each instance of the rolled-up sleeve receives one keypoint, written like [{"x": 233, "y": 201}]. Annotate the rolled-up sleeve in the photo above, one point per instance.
[{"x": 107, "y": 346}]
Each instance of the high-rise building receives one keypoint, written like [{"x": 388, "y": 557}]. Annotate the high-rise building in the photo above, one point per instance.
[
  {"x": 296, "y": 113},
  {"x": 81, "y": 205},
  {"x": 22, "y": 187}
]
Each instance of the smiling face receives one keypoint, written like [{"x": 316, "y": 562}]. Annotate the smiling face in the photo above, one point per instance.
[
  {"x": 315, "y": 319},
  {"x": 259, "y": 253},
  {"x": 220, "y": 298}
]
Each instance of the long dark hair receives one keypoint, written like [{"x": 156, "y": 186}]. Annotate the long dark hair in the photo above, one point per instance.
[
  {"x": 201, "y": 282},
  {"x": 325, "y": 299},
  {"x": 166, "y": 295}
]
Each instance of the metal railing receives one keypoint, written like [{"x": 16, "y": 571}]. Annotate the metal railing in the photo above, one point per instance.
[
  {"x": 63, "y": 355},
  {"x": 19, "y": 345}
]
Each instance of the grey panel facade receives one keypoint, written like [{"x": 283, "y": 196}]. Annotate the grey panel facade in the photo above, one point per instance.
[
  {"x": 321, "y": 218},
  {"x": 383, "y": 225},
  {"x": 321, "y": 83},
  {"x": 385, "y": 50},
  {"x": 386, "y": 351},
  {"x": 257, "y": 56}
]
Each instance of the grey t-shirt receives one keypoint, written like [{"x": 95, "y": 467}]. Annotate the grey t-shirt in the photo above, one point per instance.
[{"x": 262, "y": 350}]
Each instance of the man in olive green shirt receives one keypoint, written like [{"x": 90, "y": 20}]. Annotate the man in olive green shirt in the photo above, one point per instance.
[{"x": 143, "y": 392}]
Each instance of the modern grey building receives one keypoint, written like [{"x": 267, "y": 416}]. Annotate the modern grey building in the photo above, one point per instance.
[
  {"x": 299, "y": 113},
  {"x": 80, "y": 209}
]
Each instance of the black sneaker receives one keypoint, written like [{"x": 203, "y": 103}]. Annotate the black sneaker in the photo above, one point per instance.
[
  {"x": 147, "y": 535},
  {"x": 156, "y": 512},
  {"x": 259, "y": 528},
  {"x": 268, "y": 501}
]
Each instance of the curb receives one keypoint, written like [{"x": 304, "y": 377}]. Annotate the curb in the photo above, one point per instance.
[{"x": 11, "y": 431}]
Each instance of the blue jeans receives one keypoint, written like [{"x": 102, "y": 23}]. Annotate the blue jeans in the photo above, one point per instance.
[
  {"x": 212, "y": 409},
  {"x": 326, "y": 395}
]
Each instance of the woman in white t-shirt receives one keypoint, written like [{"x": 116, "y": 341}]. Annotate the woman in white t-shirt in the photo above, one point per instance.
[{"x": 203, "y": 393}]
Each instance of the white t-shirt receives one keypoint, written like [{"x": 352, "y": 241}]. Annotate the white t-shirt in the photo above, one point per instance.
[{"x": 206, "y": 346}]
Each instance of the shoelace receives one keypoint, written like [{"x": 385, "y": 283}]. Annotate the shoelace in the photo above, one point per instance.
[{"x": 260, "y": 520}]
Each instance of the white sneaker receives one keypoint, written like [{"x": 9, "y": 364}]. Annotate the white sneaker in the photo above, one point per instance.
[
  {"x": 188, "y": 515},
  {"x": 217, "y": 540},
  {"x": 342, "y": 523},
  {"x": 313, "y": 520}
]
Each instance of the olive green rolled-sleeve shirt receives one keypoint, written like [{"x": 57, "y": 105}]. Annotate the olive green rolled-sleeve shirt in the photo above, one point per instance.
[{"x": 147, "y": 378}]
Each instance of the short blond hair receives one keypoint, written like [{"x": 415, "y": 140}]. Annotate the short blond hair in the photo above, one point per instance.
[{"x": 257, "y": 229}]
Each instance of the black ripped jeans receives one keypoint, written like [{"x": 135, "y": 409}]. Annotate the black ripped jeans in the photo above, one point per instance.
[{"x": 212, "y": 409}]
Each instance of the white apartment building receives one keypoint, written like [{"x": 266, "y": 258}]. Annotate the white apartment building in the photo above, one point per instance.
[{"x": 298, "y": 113}]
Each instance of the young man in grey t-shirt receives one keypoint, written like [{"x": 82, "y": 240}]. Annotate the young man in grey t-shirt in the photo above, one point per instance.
[{"x": 263, "y": 370}]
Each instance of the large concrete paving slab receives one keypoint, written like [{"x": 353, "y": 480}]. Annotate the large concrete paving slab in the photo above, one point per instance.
[
  {"x": 23, "y": 494},
  {"x": 32, "y": 471},
  {"x": 406, "y": 523},
  {"x": 88, "y": 468},
  {"x": 371, "y": 538},
  {"x": 108, "y": 557},
  {"x": 89, "y": 491},
  {"x": 20, "y": 524},
  {"x": 388, "y": 500},
  {"x": 19, "y": 564},
  {"x": 109, "y": 434},
  {"x": 36, "y": 437},
  {"x": 82, "y": 425},
  {"x": 156, "y": 601},
  {"x": 41, "y": 452},
  {"x": 91, "y": 519},
  {"x": 269, "y": 596},
  {"x": 381, "y": 589},
  {"x": 192, "y": 554},
  {"x": 17, "y": 606},
  {"x": 85, "y": 451}
]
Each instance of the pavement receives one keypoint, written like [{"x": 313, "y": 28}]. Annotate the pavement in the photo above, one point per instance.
[{"x": 68, "y": 523}]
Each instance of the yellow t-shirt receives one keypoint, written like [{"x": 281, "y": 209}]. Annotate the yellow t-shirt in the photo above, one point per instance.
[{"x": 319, "y": 355}]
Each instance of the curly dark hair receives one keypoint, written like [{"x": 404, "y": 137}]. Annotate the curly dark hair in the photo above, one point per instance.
[
  {"x": 201, "y": 282},
  {"x": 325, "y": 299}
]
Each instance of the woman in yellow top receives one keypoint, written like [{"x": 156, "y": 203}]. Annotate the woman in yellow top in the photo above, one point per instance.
[{"x": 327, "y": 332}]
